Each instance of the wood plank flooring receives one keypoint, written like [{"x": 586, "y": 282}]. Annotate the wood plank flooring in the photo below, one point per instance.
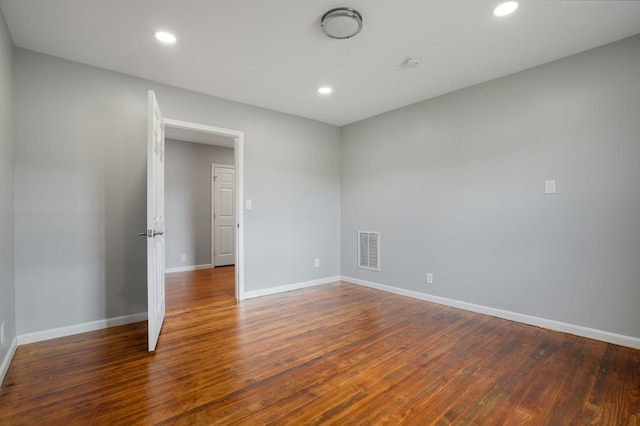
[{"x": 333, "y": 354}]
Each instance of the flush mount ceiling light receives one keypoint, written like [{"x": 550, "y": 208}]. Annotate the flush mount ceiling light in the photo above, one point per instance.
[
  {"x": 165, "y": 37},
  {"x": 341, "y": 23},
  {"x": 325, "y": 90},
  {"x": 505, "y": 8}
]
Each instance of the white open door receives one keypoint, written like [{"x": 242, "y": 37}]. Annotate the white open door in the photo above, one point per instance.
[{"x": 155, "y": 221}]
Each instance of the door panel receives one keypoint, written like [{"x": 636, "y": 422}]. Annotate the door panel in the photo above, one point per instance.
[
  {"x": 155, "y": 222},
  {"x": 226, "y": 240},
  {"x": 226, "y": 203},
  {"x": 224, "y": 218}
]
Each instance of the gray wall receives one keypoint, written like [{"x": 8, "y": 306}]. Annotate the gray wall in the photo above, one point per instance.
[
  {"x": 188, "y": 200},
  {"x": 455, "y": 184},
  {"x": 80, "y": 190},
  {"x": 7, "y": 298}
]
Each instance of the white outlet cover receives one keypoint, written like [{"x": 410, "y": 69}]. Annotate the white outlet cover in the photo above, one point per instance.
[
  {"x": 429, "y": 278},
  {"x": 317, "y": 263}
]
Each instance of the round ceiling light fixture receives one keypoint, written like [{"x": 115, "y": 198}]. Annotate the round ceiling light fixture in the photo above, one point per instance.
[{"x": 341, "y": 23}]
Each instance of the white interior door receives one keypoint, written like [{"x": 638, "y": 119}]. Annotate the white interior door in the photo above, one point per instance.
[
  {"x": 224, "y": 217},
  {"x": 155, "y": 221}
]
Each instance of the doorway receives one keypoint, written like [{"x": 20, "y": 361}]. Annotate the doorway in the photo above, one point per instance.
[{"x": 229, "y": 138}]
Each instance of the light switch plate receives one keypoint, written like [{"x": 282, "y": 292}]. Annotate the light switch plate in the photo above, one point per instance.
[
  {"x": 248, "y": 204},
  {"x": 550, "y": 186}
]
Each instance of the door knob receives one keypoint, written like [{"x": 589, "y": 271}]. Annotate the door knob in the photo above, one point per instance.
[{"x": 150, "y": 233}]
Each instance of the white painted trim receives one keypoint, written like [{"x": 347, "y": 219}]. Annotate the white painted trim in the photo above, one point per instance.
[
  {"x": 238, "y": 147},
  {"x": 212, "y": 212},
  {"x": 239, "y": 156},
  {"x": 578, "y": 330},
  {"x": 290, "y": 287},
  {"x": 204, "y": 128},
  {"x": 6, "y": 362},
  {"x": 188, "y": 268},
  {"x": 54, "y": 333}
]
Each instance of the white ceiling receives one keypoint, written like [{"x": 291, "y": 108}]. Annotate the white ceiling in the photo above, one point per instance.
[{"x": 274, "y": 55}]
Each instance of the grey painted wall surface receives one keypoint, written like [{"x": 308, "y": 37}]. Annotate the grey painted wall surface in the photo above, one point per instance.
[
  {"x": 80, "y": 190},
  {"x": 456, "y": 186},
  {"x": 7, "y": 298},
  {"x": 188, "y": 200}
]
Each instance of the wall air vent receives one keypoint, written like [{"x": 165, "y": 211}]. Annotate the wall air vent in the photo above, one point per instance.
[{"x": 369, "y": 250}]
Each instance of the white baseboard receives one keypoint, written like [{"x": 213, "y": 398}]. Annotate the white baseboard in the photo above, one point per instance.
[
  {"x": 578, "y": 330},
  {"x": 4, "y": 366},
  {"x": 188, "y": 268},
  {"x": 289, "y": 287},
  {"x": 54, "y": 333}
]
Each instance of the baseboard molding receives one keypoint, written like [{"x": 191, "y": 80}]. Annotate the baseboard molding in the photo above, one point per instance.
[
  {"x": 188, "y": 268},
  {"x": 289, "y": 287},
  {"x": 4, "y": 367},
  {"x": 591, "y": 333},
  {"x": 54, "y": 333}
]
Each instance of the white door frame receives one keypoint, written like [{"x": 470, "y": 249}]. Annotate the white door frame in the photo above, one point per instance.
[
  {"x": 238, "y": 137},
  {"x": 213, "y": 206}
]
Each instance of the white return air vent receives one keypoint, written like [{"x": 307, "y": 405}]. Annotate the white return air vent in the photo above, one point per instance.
[{"x": 369, "y": 250}]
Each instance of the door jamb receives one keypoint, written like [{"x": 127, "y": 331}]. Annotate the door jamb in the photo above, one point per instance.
[{"x": 238, "y": 137}]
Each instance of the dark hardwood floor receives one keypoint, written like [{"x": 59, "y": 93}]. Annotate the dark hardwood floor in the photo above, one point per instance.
[{"x": 333, "y": 354}]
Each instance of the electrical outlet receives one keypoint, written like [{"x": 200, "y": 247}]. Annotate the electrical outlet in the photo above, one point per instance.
[
  {"x": 2, "y": 333},
  {"x": 317, "y": 263},
  {"x": 429, "y": 278},
  {"x": 183, "y": 258}
]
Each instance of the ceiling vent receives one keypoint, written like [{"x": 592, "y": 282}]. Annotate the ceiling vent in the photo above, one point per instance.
[
  {"x": 341, "y": 23},
  {"x": 369, "y": 250}
]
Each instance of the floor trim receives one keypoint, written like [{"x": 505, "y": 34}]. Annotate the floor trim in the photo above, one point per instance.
[
  {"x": 290, "y": 287},
  {"x": 54, "y": 333},
  {"x": 188, "y": 268},
  {"x": 6, "y": 362},
  {"x": 578, "y": 330}
]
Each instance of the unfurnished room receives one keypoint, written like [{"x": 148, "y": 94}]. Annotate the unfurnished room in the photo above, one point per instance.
[{"x": 318, "y": 212}]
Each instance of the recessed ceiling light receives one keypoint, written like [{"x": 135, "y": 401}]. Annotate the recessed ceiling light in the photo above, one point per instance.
[
  {"x": 165, "y": 37},
  {"x": 505, "y": 8},
  {"x": 325, "y": 90}
]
